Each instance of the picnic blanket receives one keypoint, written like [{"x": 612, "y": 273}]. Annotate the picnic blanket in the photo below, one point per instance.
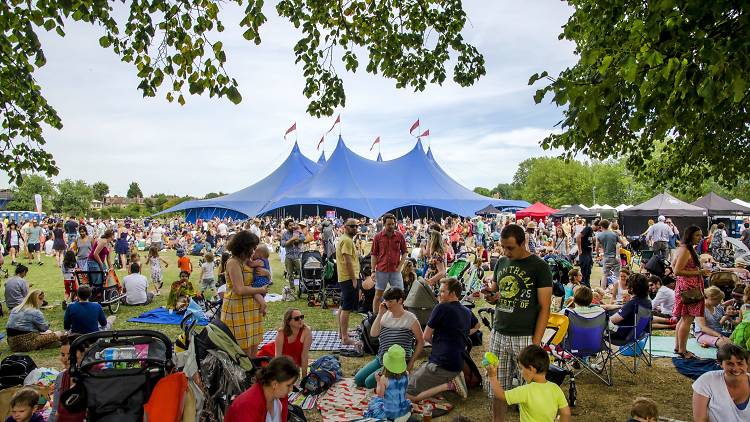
[
  {"x": 321, "y": 340},
  {"x": 663, "y": 347},
  {"x": 693, "y": 368},
  {"x": 306, "y": 402},
  {"x": 162, "y": 316},
  {"x": 345, "y": 402}
]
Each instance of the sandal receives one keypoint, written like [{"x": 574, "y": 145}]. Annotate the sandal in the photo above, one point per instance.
[{"x": 687, "y": 355}]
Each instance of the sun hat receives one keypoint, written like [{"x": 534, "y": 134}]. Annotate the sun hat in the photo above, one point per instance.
[{"x": 394, "y": 360}]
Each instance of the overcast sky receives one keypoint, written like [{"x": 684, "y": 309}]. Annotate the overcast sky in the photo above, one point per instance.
[{"x": 479, "y": 134}]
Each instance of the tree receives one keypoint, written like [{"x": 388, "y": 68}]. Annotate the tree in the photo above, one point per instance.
[
  {"x": 73, "y": 197},
  {"x": 134, "y": 191},
  {"x": 23, "y": 193},
  {"x": 482, "y": 191},
  {"x": 649, "y": 70},
  {"x": 556, "y": 182},
  {"x": 101, "y": 190},
  {"x": 504, "y": 190},
  {"x": 174, "y": 47},
  {"x": 212, "y": 195}
]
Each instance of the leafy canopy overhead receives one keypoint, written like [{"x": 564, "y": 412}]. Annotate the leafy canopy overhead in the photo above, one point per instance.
[
  {"x": 656, "y": 70},
  {"x": 175, "y": 48}
]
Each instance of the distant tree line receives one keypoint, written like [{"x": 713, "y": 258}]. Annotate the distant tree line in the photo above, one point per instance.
[
  {"x": 556, "y": 182},
  {"x": 75, "y": 197}
]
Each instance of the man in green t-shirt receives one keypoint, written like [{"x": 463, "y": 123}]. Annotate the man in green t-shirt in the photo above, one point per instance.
[
  {"x": 347, "y": 268},
  {"x": 522, "y": 293}
]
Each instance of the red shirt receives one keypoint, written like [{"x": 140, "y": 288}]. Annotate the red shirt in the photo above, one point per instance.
[
  {"x": 250, "y": 406},
  {"x": 388, "y": 251}
]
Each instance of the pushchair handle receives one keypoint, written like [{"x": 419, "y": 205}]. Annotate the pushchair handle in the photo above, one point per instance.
[{"x": 88, "y": 339}]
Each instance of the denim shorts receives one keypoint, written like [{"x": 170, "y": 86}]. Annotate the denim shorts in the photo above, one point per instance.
[{"x": 382, "y": 280}]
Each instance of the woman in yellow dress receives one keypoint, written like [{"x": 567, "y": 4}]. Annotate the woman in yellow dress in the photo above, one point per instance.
[{"x": 240, "y": 312}]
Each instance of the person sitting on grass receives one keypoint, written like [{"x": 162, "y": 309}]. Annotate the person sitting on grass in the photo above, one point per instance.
[
  {"x": 85, "y": 317},
  {"x": 24, "y": 405},
  {"x": 181, "y": 287},
  {"x": 538, "y": 399},
  {"x": 16, "y": 287},
  {"x": 709, "y": 328},
  {"x": 643, "y": 410},
  {"x": 293, "y": 340},
  {"x": 135, "y": 286},
  {"x": 390, "y": 400},
  {"x": 260, "y": 260},
  {"x": 27, "y": 328}
]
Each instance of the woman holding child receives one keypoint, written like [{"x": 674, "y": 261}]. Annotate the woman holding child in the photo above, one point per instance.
[{"x": 240, "y": 311}]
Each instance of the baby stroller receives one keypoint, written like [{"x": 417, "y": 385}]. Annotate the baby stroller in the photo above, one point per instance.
[
  {"x": 420, "y": 301},
  {"x": 330, "y": 283},
  {"x": 213, "y": 354},
  {"x": 559, "y": 266},
  {"x": 467, "y": 269},
  {"x": 105, "y": 288},
  {"x": 311, "y": 279},
  {"x": 116, "y": 374}
]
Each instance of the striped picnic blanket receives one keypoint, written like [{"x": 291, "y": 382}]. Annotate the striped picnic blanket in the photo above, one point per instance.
[{"x": 321, "y": 340}]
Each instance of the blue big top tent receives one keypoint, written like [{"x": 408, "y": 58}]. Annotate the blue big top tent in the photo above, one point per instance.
[
  {"x": 349, "y": 184},
  {"x": 251, "y": 200},
  {"x": 370, "y": 188}
]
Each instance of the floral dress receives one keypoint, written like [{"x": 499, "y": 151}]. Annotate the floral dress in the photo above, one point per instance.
[{"x": 685, "y": 283}]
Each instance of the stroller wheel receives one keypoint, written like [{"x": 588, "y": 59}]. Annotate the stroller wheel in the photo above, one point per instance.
[{"x": 109, "y": 296}]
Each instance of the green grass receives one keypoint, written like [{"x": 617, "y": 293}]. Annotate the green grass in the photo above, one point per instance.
[{"x": 596, "y": 401}]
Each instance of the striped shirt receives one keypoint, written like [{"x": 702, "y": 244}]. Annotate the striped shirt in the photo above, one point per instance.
[{"x": 396, "y": 331}]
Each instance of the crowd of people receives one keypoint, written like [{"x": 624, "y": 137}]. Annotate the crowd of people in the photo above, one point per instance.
[{"x": 400, "y": 252}]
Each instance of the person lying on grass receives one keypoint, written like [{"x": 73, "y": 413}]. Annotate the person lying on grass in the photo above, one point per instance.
[{"x": 538, "y": 399}]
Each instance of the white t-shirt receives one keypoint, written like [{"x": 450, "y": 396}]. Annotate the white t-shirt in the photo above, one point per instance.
[
  {"x": 664, "y": 300},
  {"x": 156, "y": 234},
  {"x": 208, "y": 270},
  {"x": 276, "y": 412},
  {"x": 223, "y": 229},
  {"x": 135, "y": 285},
  {"x": 721, "y": 407}
]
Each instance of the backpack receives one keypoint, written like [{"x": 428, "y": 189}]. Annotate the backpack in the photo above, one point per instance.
[
  {"x": 14, "y": 369},
  {"x": 471, "y": 372},
  {"x": 370, "y": 345},
  {"x": 324, "y": 372},
  {"x": 295, "y": 414}
]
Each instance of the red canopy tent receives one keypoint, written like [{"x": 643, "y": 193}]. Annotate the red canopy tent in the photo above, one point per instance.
[{"x": 538, "y": 212}]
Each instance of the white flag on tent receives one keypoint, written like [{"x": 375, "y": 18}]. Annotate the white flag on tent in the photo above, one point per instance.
[{"x": 38, "y": 203}]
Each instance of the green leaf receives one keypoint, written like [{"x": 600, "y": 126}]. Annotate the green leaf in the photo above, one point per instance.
[
  {"x": 233, "y": 94},
  {"x": 606, "y": 61},
  {"x": 105, "y": 41}
]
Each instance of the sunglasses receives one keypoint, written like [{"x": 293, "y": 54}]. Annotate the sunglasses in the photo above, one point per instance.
[
  {"x": 299, "y": 318},
  {"x": 351, "y": 225}
]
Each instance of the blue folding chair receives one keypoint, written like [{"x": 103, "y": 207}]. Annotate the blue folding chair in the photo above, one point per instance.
[
  {"x": 636, "y": 342},
  {"x": 586, "y": 343}
]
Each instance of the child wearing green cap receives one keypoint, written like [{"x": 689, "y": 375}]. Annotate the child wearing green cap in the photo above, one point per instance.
[{"x": 391, "y": 402}]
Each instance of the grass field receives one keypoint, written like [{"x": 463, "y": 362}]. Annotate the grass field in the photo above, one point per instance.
[{"x": 596, "y": 401}]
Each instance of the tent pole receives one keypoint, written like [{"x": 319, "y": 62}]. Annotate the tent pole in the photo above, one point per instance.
[{"x": 317, "y": 210}]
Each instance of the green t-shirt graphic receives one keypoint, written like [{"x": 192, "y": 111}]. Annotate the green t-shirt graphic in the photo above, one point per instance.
[{"x": 517, "y": 307}]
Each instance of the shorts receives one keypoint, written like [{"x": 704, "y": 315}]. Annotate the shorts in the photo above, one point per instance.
[
  {"x": 507, "y": 349},
  {"x": 208, "y": 284},
  {"x": 382, "y": 280},
  {"x": 33, "y": 247},
  {"x": 349, "y": 295},
  {"x": 70, "y": 286},
  {"x": 427, "y": 376}
]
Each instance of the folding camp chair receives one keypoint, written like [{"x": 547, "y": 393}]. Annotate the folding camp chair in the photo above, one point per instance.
[
  {"x": 638, "y": 338},
  {"x": 586, "y": 344}
]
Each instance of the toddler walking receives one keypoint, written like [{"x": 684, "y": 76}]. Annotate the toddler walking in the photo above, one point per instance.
[
  {"x": 390, "y": 401},
  {"x": 260, "y": 260},
  {"x": 69, "y": 265},
  {"x": 207, "y": 274},
  {"x": 155, "y": 262}
]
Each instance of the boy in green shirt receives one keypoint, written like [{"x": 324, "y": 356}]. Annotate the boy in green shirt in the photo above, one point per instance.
[{"x": 538, "y": 400}]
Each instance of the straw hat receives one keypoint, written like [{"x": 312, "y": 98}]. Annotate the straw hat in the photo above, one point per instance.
[
  {"x": 531, "y": 225},
  {"x": 394, "y": 360}
]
